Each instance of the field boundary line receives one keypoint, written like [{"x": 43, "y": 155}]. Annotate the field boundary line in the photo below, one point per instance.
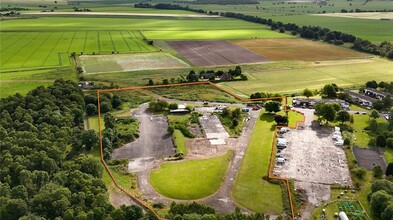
[
  {"x": 84, "y": 45},
  {"x": 72, "y": 41},
  {"x": 244, "y": 100},
  {"x": 125, "y": 41},
  {"x": 99, "y": 41},
  {"x": 51, "y": 51},
  {"x": 113, "y": 43}
]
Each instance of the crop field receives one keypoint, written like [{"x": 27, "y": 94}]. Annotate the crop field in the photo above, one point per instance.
[
  {"x": 288, "y": 80},
  {"x": 93, "y": 64},
  {"x": 52, "y": 49},
  {"x": 297, "y": 49},
  {"x": 130, "y": 24},
  {"x": 250, "y": 189},
  {"x": 192, "y": 179},
  {"x": 215, "y": 53}
]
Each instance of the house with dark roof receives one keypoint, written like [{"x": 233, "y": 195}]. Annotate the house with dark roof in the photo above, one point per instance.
[{"x": 361, "y": 99}]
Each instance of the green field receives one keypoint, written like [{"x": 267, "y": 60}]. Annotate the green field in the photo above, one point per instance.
[
  {"x": 214, "y": 34},
  {"x": 52, "y": 49},
  {"x": 192, "y": 179},
  {"x": 275, "y": 77},
  {"x": 24, "y": 81},
  {"x": 250, "y": 189},
  {"x": 130, "y": 24},
  {"x": 298, "y": 13}
]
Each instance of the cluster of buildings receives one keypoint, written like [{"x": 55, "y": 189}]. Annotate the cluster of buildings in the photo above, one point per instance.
[
  {"x": 367, "y": 98},
  {"x": 310, "y": 103}
]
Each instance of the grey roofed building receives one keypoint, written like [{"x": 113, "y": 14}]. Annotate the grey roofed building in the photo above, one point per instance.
[
  {"x": 361, "y": 98},
  {"x": 374, "y": 93}
]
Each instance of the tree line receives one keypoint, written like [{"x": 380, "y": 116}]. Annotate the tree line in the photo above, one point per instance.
[{"x": 384, "y": 49}]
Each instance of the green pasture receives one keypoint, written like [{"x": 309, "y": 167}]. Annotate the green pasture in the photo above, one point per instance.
[
  {"x": 23, "y": 81},
  {"x": 121, "y": 24},
  {"x": 372, "y": 30},
  {"x": 191, "y": 179},
  {"x": 250, "y": 189},
  {"x": 296, "y": 76},
  {"x": 299, "y": 13}
]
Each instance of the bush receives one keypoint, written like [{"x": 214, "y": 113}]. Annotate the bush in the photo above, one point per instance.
[
  {"x": 184, "y": 130},
  {"x": 372, "y": 142},
  {"x": 378, "y": 172},
  {"x": 347, "y": 141},
  {"x": 389, "y": 142},
  {"x": 359, "y": 172},
  {"x": 381, "y": 141}
]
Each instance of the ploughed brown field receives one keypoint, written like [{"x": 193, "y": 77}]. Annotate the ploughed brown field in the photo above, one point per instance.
[
  {"x": 297, "y": 49},
  {"x": 215, "y": 53}
]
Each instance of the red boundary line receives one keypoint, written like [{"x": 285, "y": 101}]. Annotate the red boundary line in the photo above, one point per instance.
[{"x": 270, "y": 176}]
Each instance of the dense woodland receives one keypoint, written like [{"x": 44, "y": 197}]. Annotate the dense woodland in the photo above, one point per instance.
[
  {"x": 384, "y": 49},
  {"x": 44, "y": 173}
]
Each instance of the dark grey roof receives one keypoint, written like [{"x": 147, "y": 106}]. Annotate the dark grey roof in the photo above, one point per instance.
[{"x": 360, "y": 96}]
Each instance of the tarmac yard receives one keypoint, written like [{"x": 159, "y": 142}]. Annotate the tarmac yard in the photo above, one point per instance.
[{"x": 311, "y": 156}]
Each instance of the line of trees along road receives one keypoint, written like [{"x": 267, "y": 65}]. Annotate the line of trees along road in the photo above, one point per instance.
[{"x": 309, "y": 32}]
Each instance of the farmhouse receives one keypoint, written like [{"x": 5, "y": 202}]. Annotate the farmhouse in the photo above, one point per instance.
[{"x": 360, "y": 98}]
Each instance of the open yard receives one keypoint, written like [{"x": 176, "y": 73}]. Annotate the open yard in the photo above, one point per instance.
[
  {"x": 192, "y": 179},
  {"x": 250, "y": 189},
  {"x": 215, "y": 53},
  {"x": 297, "y": 49},
  {"x": 93, "y": 64},
  {"x": 288, "y": 77}
]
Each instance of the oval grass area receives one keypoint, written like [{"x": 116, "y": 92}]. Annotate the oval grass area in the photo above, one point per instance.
[{"x": 193, "y": 179}]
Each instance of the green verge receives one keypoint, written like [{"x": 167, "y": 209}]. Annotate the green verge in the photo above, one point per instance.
[
  {"x": 192, "y": 179},
  {"x": 180, "y": 141},
  {"x": 250, "y": 189}
]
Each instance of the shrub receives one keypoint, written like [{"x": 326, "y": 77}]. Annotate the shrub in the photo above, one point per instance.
[
  {"x": 381, "y": 141},
  {"x": 347, "y": 141},
  {"x": 184, "y": 130},
  {"x": 372, "y": 142},
  {"x": 389, "y": 142}
]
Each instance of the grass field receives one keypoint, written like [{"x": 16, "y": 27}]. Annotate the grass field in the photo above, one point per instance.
[
  {"x": 130, "y": 24},
  {"x": 250, "y": 190},
  {"x": 192, "y": 179},
  {"x": 297, "y": 49},
  {"x": 287, "y": 77},
  {"x": 24, "y": 81},
  {"x": 299, "y": 13},
  {"x": 130, "y": 62}
]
